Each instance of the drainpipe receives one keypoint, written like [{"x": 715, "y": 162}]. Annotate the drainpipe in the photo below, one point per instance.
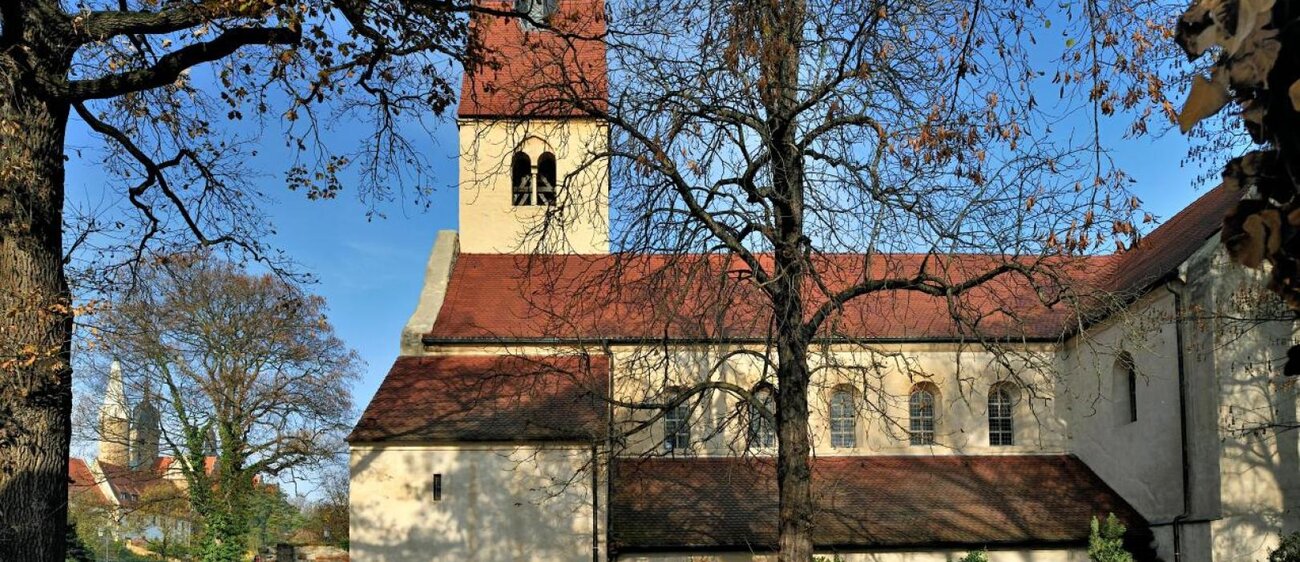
[
  {"x": 1182, "y": 414},
  {"x": 609, "y": 448},
  {"x": 595, "y": 504}
]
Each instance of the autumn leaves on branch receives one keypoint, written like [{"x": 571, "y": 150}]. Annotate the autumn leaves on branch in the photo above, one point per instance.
[{"x": 1257, "y": 43}]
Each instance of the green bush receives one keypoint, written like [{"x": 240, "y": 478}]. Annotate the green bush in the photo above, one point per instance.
[
  {"x": 1106, "y": 541},
  {"x": 1288, "y": 550},
  {"x": 976, "y": 556}
]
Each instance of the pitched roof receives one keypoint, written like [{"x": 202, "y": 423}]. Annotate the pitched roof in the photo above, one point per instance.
[
  {"x": 133, "y": 486},
  {"x": 621, "y": 296},
  {"x": 538, "y": 72},
  {"x": 863, "y": 502},
  {"x": 82, "y": 485},
  {"x": 652, "y": 296},
  {"x": 1168, "y": 246},
  {"x": 488, "y": 398}
]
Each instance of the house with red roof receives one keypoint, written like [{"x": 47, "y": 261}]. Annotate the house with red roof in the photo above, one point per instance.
[
  {"x": 545, "y": 402},
  {"x": 139, "y": 491}
]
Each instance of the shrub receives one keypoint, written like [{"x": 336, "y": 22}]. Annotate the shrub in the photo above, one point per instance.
[
  {"x": 1288, "y": 550},
  {"x": 976, "y": 556},
  {"x": 1106, "y": 541}
]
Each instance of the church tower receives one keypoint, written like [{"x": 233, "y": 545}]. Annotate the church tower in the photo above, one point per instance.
[
  {"x": 533, "y": 172},
  {"x": 114, "y": 420},
  {"x": 145, "y": 432}
]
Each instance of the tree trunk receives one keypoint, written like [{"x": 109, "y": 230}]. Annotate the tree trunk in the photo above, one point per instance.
[
  {"x": 793, "y": 473},
  {"x": 35, "y": 315}
]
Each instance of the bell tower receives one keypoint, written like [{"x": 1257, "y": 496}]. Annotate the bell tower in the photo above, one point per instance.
[
  {"x": 534, "y": 177},
  {"x": 114, "y": 420}
]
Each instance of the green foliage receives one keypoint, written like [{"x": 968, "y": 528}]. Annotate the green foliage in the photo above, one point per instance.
[
  {"x": 1288, "y": 550},
  {"x": 272, "y": 518},
  {"x": 1106, "y": 541},
  {"x": 976, "y": 556},
  {"x": 77, "y": 549}
]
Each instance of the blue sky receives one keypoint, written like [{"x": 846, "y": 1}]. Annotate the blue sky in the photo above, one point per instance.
[{"x": 371, "y": 270}]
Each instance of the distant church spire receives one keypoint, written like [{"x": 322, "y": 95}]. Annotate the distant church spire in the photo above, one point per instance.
[
  {"x": 145, "y": 432},
  {"x": 114, "y": 420}
]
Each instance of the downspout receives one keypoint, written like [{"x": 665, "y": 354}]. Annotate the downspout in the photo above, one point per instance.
[
  {"x": 1182, "y": 416},
  {"x": 609, "y": 447},
  {"x": 595, "y": 504}
]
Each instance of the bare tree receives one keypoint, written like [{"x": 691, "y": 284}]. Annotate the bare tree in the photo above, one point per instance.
[
  {"x": 252, "y": 381},
  {"x": 784, "y": 173},
  {"x": 177, "y": 91}
]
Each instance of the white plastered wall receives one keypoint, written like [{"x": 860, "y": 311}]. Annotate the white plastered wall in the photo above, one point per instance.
[
  {"x": 962, "y": 375},
  {"x": 499, "y": 503},
  {"x": 491, "y": 224},
  {"x": 1255, "y": 413},
  {"x": 1142, "y": 460}
]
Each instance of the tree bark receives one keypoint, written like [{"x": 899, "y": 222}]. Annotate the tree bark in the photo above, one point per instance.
[
  {"x": 35, "y": 310},
  {"x": 793, "y": 473},
  {"x": 780, "y": 30}
]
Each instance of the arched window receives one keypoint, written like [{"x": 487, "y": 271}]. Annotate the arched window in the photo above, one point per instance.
[
  {"x": 921, "y": 413},
  {"x": 539, "y": 11},
  {"x": 521, "y": 179},
  {"x": 1125, "y": 389},
  {"x": 762, "y": 432},
  {"x": 546, "y": 179},
  {"x": 1002, "y": 430},
  {"x": 844, "y": 426},
  {"x": 677, "y": 429}
]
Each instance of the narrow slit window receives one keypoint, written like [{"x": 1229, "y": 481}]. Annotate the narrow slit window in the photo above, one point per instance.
[
  {"x": 762, "y": 432},
  {"x": 1125, "y": 390},
  {"x": 844, "y": 425},
  {"x": 437, "y": 487}
]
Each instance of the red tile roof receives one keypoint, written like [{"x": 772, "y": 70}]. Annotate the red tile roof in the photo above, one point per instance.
[
  {"x": 131, "y": 486},
  {"x": 622, "y": 296},
  {"x": 1168, "y": 246},
  {"x": 82, "y": 485},
  {"x": 488, "y": 398},
  {"x": 863, "y": 502},
  {"x": 542, "y": 72}
]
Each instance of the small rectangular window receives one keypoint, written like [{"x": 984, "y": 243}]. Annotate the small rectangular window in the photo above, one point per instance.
[{"x": 437, "y": 487}]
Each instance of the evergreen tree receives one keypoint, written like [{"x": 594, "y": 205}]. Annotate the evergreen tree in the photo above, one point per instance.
[{"x": 1106, "y": 541}]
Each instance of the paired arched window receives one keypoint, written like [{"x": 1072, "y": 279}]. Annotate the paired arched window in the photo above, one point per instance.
[
  {"x": 1125, "y": 389},
  {"x": 521, "y": 180},
  {"x": 921, "y": 409},
  {"x": 844, "y": 426},
  {"x": 762, "y": 430},
  {"x": 677, "y": 429},
  {"x": 539, "y": 12},
  {"x": 546, "y": 179},
  {"x": 524, "y": 188},
  {"x": 1002, "y": 431}
]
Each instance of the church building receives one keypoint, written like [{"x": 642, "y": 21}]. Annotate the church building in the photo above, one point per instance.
[
  {"x": 140, "y": 490},
  {"x": 512, "y": 425}
]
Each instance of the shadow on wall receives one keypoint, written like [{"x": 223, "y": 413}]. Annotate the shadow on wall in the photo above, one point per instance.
[
  {"x": 472, "y": 504},
  {"x": 1260, "y": 459}
]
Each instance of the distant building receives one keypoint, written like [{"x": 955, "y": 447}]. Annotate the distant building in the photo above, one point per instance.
[
  {"x": 142, "y": 492},
  {"x": 479, "y": 443}
]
